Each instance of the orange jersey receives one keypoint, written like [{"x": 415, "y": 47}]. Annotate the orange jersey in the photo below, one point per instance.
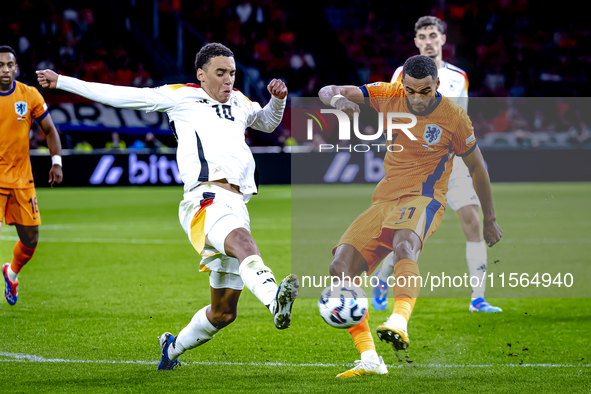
[
  {"x": 423, "y": 166},
  {"x": 18, "y": 108}
]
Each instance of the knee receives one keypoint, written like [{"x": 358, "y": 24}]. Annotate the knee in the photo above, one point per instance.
[
  {"x": 403, "y": 250},
  {"x": 471, "y": 221},
  {"x": 223, "y": 319},
  {"x": 243, "y": 238},
  {"x": 469, "y": 217},
  {"x": 241, "y": 244},
  {"x": 31, "y": 240}
]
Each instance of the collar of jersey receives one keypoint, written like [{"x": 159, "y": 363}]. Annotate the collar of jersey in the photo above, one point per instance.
[
  {"x": 11, "y": 90},
  {"x": 429, "y": 110}
]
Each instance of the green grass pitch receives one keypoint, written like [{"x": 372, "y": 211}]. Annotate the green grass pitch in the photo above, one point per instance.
[{"x": 114, "y": 270}]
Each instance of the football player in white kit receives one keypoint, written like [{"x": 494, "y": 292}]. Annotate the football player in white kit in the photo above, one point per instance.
[
  {"x": 218, "y": 172},
  {"x": 461, "y": 196}
]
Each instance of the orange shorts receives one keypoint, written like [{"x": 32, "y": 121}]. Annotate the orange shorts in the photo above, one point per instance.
[
  {"x": 372, "y": 232},
  {"x": 19, "y": 206}
]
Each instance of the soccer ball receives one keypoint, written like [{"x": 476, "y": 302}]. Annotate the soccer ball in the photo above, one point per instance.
[{"x": 342, "y": 306}]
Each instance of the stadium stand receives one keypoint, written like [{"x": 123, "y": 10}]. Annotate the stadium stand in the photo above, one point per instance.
[{"x": 505, "y": 51}]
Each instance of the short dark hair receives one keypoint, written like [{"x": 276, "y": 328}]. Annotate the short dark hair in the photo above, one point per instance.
[
  {"x": 7, "y": 49},
  {"x": 426, "y": 21},
  {"x": 420, "y": 67},
  {"x": 209, "y": 51}
]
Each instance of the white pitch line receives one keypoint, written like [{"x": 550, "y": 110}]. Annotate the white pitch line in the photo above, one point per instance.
[{"x": 20, "y": 357}]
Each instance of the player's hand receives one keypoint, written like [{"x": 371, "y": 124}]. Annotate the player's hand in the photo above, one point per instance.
[
  {"x": 492, "y": 232},
  {"x": 347, "y": 106},
  {"x": 47, "y": 79},
  {"x": 277, "y": 88},
  {"x": 55, "y": 175}
]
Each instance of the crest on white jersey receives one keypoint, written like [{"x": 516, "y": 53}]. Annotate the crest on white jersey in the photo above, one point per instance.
[
  {"x": 20, "y": 107},
  {"x": 432, "y": 134},
  {"x": 454, "y": 84}
]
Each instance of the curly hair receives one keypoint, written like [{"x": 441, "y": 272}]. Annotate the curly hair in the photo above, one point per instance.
[
  {"x": 210, "y": 51},
  {"x": 7, "y": 49},
  {"x": 426, "y": 21},
  {"x": 420, "y": 67}
]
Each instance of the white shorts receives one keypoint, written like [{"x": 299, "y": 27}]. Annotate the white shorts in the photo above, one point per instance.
[
  {"x": 460, "y": 187},
  {"x": 208, "y": 214}
]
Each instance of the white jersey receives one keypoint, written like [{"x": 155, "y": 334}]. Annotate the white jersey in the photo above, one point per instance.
[
  {"x": 453, "y": 84},
  {"x": 210, "y": 134}
]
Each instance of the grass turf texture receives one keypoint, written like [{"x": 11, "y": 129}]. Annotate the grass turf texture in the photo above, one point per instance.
[{"x": 83, "y": 299}]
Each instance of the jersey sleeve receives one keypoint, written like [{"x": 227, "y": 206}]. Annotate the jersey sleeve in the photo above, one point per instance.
[
  {"x": 463, "y": 140},
  {"x": 146, "y": 99},
  {"x": 264, "y": 119},
  {"x": 464, "y": 92},
  {"x": 397, "y": 77},
  {"x": 38, "y": 106},
  {"x": 252, "y": 107},
  {"x": 463, "y": 96},
  {"x": 379, "y": 93}
]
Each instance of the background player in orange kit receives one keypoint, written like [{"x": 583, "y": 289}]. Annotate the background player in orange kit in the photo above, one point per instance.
[
  {"x": 409, "y": 202},
  {"x": 19, "y": 105}
]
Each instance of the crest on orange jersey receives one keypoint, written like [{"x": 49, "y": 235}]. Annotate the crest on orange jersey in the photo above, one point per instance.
[{"x": 20, "y": 107}]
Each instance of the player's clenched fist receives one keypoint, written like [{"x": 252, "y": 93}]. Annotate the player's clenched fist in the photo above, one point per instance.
[
  {"x": 492, "y": 233},
  {"x": 47, "y": 79},
  {"x": 55, "y": 175},
  {"x": 277, "y": 88},
  {"x": 347, "y": 106}
]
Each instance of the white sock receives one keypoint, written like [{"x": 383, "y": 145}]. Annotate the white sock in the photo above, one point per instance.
[
  {"x": 476, "y": 258},
  {"x": 259, "y": 279},
  {"x": 397, "y": 320},
  {"x": 387, "y": 269},
  {"x": 13, "y": 276},
  {"x": 370, "y": 356},
  {"x": 199, "y": 331}
]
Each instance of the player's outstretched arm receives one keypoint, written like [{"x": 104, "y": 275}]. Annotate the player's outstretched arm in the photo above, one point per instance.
[
  {"x": 342, "y": 98},
  {"x": 475, "y": 163},
  {"x": 116, "y": 96},
  {"x": 268, "y": 118},
  {"x": 55, "y": 148}
]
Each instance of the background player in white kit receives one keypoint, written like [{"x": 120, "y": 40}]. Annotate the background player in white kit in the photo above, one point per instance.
[
  {"x": 217, "y": 169},
  {"x": 461, "y": 196}
]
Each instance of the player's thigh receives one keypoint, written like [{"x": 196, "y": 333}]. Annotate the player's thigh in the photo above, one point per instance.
[
  {"x": 362, "y": 236},
  {"x": 209, "y": 214},
  {"x": 238, "y": 243},
  {"x": 22, "y": 208}
]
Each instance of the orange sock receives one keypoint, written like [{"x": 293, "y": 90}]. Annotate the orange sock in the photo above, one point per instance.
[
  {"x": 21, "y": 256},
  {"x": 362, "y": 336},
  {"x": 406, "y": 296}
]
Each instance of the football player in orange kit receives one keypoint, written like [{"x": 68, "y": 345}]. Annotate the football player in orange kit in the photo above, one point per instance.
[
  {"x": 409, "y": 202},
  {"x": 19, "y": 105}
]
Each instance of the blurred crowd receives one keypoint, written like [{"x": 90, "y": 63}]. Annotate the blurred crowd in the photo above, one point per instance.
[
  {"x": 503, "y": 48},
  {"x": 75, "y": 38}
]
